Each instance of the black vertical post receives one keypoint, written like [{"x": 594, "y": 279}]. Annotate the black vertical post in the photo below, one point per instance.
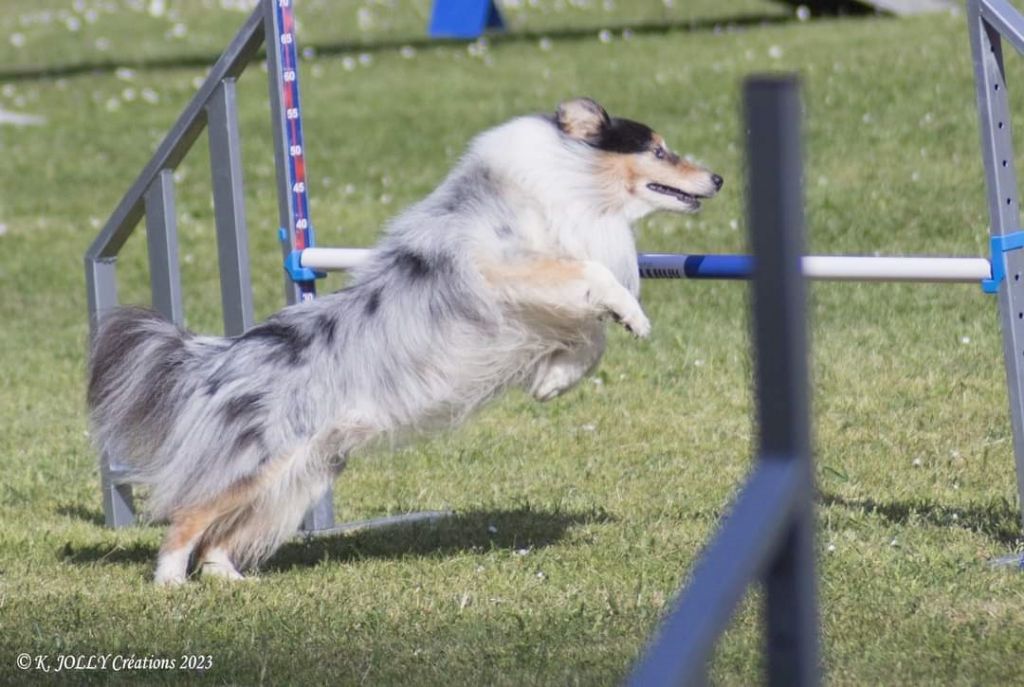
[{"x": 773, "y": 113}]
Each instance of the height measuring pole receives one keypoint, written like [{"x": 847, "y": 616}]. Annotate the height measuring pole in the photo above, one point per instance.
[{"x": 296, "y": 232}]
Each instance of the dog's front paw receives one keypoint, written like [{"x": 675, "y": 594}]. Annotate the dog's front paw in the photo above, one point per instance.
[
  {"x": 635, "y": 321},
  {"x": 638, "y": 325},
  {"x": 611, "y": 298}
]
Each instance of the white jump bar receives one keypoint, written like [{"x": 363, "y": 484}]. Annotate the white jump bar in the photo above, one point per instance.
[
  {"x": 334, "y": 259},
  {"x": 869, "y": 268},
  {"x": 823, "y": 267}
]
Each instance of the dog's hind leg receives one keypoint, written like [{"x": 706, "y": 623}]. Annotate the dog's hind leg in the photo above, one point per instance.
[
  {"x": 215, "y": 561},
  {"x": 272, "y": 515},
  {"x": 562, "y": 370},
  {"x": 259, "y": 530},
  {"x": 187, "y": 528},
  {"x": 213, "y": 555},
  {"x": 190, "y": 527},
  {"x": 261, "y": 513}
]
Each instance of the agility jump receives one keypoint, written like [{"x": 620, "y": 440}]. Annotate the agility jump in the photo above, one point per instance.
[
  {"x": 679, "y": 266},
  {"x": 152, "y": 198}
]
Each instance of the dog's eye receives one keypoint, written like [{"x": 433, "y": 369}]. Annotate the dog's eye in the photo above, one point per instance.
[{"x": 659, "y": 153}]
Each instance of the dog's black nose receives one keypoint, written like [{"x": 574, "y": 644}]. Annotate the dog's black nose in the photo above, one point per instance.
[{"x": 717, "y": 181}]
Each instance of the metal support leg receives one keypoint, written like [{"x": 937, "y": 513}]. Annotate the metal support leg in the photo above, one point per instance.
[
  {"x": 1003, "y": 204},
  {"x": 791, "y": 617},
  {"x": 321, "y": 515},
  {"x": 101, "y": 289},
  {"x": 776, "y": 230},
  {"x": 229, "y": 209},
  {"x": 118, "y": 506},
  {"x": 162, "y": 242}
]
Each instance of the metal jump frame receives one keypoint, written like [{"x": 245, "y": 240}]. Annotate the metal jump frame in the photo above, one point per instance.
[{"x": 152, "y": 196}]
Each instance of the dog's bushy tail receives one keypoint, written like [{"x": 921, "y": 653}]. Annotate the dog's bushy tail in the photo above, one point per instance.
[{"x": 136, "y": 366}]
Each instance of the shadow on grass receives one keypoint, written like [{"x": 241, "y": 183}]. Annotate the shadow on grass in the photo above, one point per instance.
[
  {"x": 998, "y": 520},
  {"x": 833, "y": 8},
  {"x": 474, "y": 531},
  {"x": 78, "y": 512},
  {"x": 107, "y": 553},
  {"x": 587, "y": 32}
]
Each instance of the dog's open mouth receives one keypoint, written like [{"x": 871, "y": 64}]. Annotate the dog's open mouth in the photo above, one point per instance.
[{"x": 678, "y": 193}]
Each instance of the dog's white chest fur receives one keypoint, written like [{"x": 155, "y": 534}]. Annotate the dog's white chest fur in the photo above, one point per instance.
[
  {"x": 577, "y": 233},
  {"x": 609, "y": 241}
]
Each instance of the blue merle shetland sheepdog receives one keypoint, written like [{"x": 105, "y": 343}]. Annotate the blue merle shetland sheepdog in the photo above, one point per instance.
[{"x": 502, "y": 277}]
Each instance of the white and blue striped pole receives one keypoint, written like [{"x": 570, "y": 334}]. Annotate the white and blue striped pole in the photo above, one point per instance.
[
  {"x": 681, "y": 266},
  {"x": 823, "y": 267}
]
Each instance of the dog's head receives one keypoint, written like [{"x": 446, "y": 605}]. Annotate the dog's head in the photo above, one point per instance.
[{"x": 636, "y": 167}]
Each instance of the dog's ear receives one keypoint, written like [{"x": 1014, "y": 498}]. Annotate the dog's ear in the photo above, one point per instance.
[{"x": 582, "y": 118}]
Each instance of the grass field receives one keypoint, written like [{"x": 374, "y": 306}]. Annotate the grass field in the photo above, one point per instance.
[{"x": 575, "y": 520}]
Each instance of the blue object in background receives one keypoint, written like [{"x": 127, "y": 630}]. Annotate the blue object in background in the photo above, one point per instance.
[{"x": 464, "y": 18}]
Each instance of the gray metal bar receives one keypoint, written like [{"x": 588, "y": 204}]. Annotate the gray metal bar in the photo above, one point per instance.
[
  {"x": 775, "y": 211},
  {"x": 739, "y": 552},
  {"x": 995, "y": 123},
  {"x": 101, "y": 293},
  {"x": 229, "y": 209},
  {"x": 422, "y": 517},
  {"x": 320, "y": 518},
  {"x": 278, "y": 124},
  {"x": 1003, "y": 198},
  {"x": 791, "y": 606},
  {"x": 100, "y": 288},
  {"x": 162, "y": 243},
  {"x": 1005, "y": 19},
  {"x": 179, "y": 139},
  {"x": 118, "y": 506}
]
